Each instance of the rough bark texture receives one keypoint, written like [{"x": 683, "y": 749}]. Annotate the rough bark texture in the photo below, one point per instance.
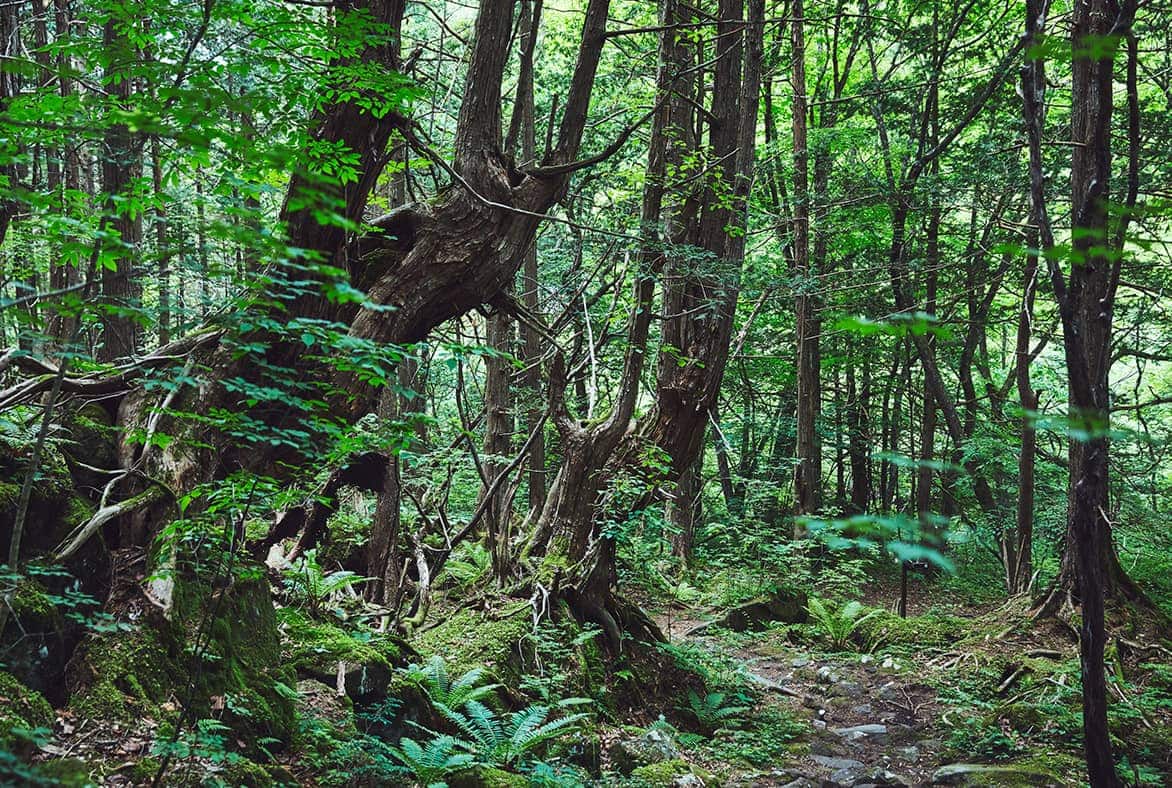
[
  {"x": 121, "y": 167},
  {"x": 808, "y": 470}
]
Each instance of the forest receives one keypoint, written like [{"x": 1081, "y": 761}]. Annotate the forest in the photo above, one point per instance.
[{"x": 585, "y": 393}]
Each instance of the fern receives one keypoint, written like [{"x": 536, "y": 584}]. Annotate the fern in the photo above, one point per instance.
[
  {"x": 432, "y": 762},
  {"x": 468, "y": 565},
  {"x": 432, "y": 677},
  {"x": 838, "y": 626},
  {"x": 509, "y": 741},
  {"x": 308, "y": 583},
  {"x": 712, "y": 712}
]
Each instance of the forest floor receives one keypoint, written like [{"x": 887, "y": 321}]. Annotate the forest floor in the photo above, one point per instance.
[{"x": 958, "y": 696}]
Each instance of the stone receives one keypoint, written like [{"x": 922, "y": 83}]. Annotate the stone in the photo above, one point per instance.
[
  {"x": 836, "y": 763},
  {"x": 992, "y": 774},
  {"x": 873, "y": 731},
  {"x": 846, "y": 689},
  {"x": 826, "y": 675},
  {"x": 862, "y": 709},
  {"x": 784, "y": 605},
  {"x": 653, "y": 746},
  {"x": 800, "y": 662}
]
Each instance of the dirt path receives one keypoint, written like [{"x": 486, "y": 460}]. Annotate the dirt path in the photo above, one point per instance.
[{"x": 871, "y": 721}]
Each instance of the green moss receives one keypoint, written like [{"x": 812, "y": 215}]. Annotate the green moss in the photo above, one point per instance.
[
  {"x": 314, "y": 648},
  {"x": 888, "y": 629},
  {"x": 665, "y": 773},
  {"x": 9, "y": 494},
  {"x": 468, "y": 638},
  {"x": 68, "y": 773},
  {"x": 31, "y": 602},
  {"x": 487, "y": 777},
  {"x": 20, "y": 708},
  {"x": 144, "y": 771},
  {"x": 130, "y": 675},
  {"x": 247, "y": 666}
]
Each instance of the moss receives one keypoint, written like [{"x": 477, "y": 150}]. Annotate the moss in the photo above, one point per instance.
[
  {"x": 314, "y": 648},
  {"x": 129, "y": 675},
  {"x": 468, "y": 638},
  {"x": 247, "y": 667},
  {"x": 665, "y": 773},
  {"x": 31, "y": 602},
  {"x": 144, "y": 771},
  {"x": 888, "y": 629},
  {"x": 487, "y": 777},
  {"x": 9, "y": 494},
  {"x": 68, "y": 773},
  {"x": 20, "y": 708},
  {"x": 126, "y": 676}
]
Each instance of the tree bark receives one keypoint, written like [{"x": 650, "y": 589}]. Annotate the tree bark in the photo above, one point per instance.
[
  {"x": 808, "y": 470},
  {"x": 121, "y": 167}
]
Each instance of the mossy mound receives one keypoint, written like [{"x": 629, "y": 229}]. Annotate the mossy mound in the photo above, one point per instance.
[
  {"x": 21, "y": 710},
  {"x": 497, "y": 640},
  {"x": 884, "y": 629},
  {"x": 123, "y": 676},
  {"x": 487, "y": 777},
  {"x": 665, "y": 774},
  {"x": 236, "y": 673}
]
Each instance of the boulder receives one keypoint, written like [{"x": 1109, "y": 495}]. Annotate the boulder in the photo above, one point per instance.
[
  {"x": 652, "y": 747},
  {"x": 992, "y": 774},
  {"x": 784, "y": 605}
]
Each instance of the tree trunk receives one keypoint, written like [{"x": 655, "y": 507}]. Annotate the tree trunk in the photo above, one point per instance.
[
  {"x": 808, "y": 470},
  {"x": 121, "y": 167}
]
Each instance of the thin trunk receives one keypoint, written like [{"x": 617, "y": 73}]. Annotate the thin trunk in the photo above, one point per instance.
[
  {"x": 121, "y": 167},
  {"x": 498, "y": 438},
  {"x": 808, "y": 470}
]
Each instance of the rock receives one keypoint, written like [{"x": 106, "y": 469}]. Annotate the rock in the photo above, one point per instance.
[
  {"x": 785, "y": 605},
  {"x": 992, "y": 774},
  {"x": 874, "y": 732},
  {"x": 803, "y": 782},
  {"x": 888, "y": 692},
  {"x": 866, "y": 659},
  {"x": 846, "y": 689},
  {"x": 651, "y": 747},
  {"x": 909, "y": 753},
  {"x": 21, "y": 708},
  {"x": 849, "y": 776},
  {"x": 836, "y": 763},
  {"x": 486, "y": 777},
  {"x": 800, "y": 662},
  {"x": 826, "y": 675},
  {"x": 862, "y": 709},
  {"x": 673, "y": 773},
  {"x": 890, "y": 663},
  {"x": 366, "y": 682}
]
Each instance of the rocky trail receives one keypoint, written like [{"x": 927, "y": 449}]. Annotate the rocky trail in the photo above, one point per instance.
[{"x": 873, "y": 720}]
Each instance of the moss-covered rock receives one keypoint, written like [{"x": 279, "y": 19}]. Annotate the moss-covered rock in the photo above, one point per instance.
[
  {"x": 782, "y": 605},
  {"x": 487, "y": 777},
  {"x": 469, "y": 638},
  {"x": 1002, "y": 775},
  {"x": 236, "y": 672},
  {"x": 21, "y": 710},
  {"x": 315, "y": 648},
  {"x": 123, "y": 676},
  {"x": 668, "y": 774},
  {"x": 887, "y": 629}
]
